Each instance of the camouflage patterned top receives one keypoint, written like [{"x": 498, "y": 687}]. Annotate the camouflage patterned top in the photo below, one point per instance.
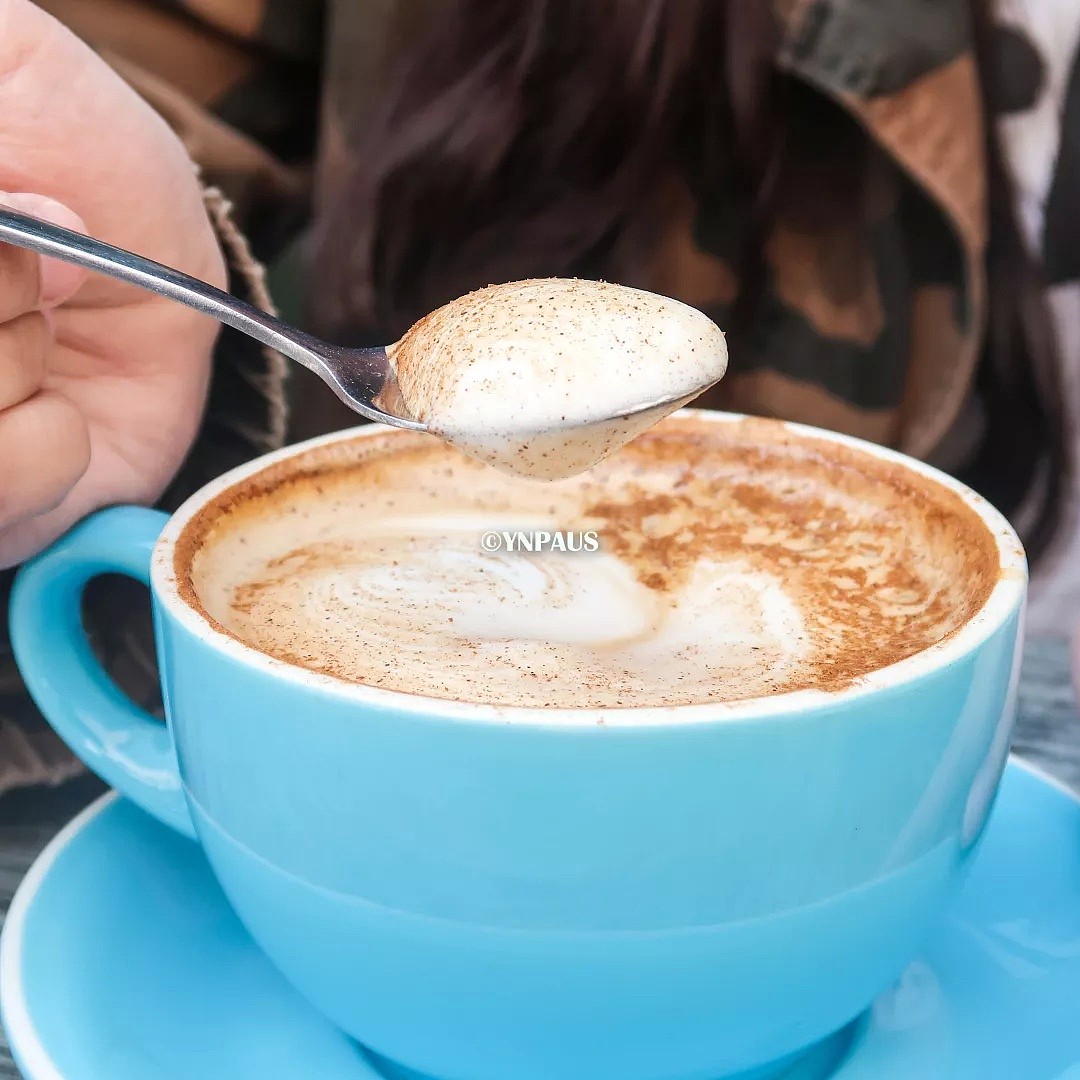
[{"x": 875, "y": 333}]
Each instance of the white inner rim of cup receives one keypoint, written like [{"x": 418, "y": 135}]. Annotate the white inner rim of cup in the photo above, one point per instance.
[{"x": 1004, "y": 599}]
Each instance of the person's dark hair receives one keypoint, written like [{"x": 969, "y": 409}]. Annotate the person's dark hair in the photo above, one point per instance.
[
  {"x": 1025, "y": 460},
  {"x": 529, "y": 138}
]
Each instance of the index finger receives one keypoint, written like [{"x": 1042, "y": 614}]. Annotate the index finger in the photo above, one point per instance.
[
  {"x": 57, "y": 281},
  {"x": 20, "y": 282}
]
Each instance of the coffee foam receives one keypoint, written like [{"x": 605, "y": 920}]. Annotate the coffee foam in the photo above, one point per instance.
[
  {"x": 736, "y": 561},
  {"x": 535, "y": 377}
]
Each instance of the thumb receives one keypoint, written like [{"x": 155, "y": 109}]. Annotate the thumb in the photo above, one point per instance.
[{"x": 59, "y": 280}]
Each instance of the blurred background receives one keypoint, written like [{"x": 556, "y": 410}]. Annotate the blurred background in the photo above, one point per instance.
[{"x": 873, "y": 198}]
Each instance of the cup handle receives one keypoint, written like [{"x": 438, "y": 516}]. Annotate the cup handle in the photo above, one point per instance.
[{"x": 126, "y": 746}]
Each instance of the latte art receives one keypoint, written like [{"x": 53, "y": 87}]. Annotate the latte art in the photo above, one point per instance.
[{"x": 731, "y": 565}]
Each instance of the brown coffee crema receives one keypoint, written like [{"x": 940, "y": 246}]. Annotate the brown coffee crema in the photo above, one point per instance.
[{"x": 737, "y": 560}]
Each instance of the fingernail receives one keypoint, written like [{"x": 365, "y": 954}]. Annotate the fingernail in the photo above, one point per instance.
[{"x": 59, "y": 280}]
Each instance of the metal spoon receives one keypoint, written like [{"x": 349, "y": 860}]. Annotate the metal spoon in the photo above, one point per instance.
[{"x": 363, "y": 378}]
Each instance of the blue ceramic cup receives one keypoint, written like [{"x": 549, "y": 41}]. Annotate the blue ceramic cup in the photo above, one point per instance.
[{"x": 484, "y": 893}]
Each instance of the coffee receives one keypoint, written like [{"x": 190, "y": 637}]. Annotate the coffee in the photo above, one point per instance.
[
  {"x": 536, "y": 377},
  {"x": 736, "y": 559}
]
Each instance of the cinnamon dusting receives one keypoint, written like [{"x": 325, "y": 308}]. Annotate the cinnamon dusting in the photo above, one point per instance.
[{"x": 880, "y": 561}]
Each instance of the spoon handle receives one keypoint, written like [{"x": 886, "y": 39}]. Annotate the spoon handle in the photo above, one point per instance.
[{"x": 26, "y": 231}]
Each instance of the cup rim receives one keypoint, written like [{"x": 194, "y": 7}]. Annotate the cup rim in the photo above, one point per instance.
[{"x": 1005, "y": 598}]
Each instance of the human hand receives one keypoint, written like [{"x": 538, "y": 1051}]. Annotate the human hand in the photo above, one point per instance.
[{"x": 101, "y": 385}]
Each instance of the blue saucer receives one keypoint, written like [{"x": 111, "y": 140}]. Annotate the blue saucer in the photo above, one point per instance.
[{"x": 121, "y": 960}]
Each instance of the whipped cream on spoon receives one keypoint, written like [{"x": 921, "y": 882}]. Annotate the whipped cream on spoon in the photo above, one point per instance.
[{"x": 546, "y": 377}]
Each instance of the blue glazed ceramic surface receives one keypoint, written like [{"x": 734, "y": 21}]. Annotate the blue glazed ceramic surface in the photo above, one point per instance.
[
  {"x": 122, "y": 960},
  {"x": 480, "y": 893}
]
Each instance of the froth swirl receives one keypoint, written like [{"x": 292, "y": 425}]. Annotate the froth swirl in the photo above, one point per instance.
[
  {"x": 387, "y": 598},
  {"x": 725, "y": 571}
]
